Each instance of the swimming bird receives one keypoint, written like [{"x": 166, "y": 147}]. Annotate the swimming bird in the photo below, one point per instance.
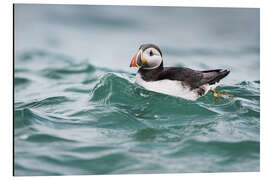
[{"x": 175, "y": 81}]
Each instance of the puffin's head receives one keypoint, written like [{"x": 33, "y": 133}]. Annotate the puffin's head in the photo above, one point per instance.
[{"x": 149, "y": 56}]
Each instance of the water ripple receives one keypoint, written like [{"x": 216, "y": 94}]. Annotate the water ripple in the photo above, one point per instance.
[{"x": 93, "y": 121}]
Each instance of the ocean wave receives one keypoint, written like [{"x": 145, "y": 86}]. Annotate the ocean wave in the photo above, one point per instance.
[
  {"x": 21, "y": 81},
  {"x": 106, "y": 117},
  {"x": 37, "y": 54},
  {"x": 28, "y": 117},
  {"x": 42, "y": 102},
  {"x": 62, "y": 72},
  {"x": 116, "y": 90}
]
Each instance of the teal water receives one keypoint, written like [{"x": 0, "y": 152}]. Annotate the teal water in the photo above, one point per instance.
[{"x": 78, "y": 111}]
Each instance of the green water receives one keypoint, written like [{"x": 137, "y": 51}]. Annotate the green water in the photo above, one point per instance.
[{"x": 78, "y": 111}]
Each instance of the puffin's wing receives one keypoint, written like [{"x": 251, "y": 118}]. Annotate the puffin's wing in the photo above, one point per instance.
[
  {"x": 190, "y": 77},
  {"x": 193, "y": 78},
  {"x": 213, "y": 76}
]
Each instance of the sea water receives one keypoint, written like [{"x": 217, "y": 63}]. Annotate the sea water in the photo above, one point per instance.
[{"x": 77, "y": 109}]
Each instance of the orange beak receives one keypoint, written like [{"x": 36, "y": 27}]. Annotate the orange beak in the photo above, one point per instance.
[{"x": 134, "y": 60}]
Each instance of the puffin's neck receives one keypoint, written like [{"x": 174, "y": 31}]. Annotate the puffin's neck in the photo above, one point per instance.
[{"x": 151, "y": 74}]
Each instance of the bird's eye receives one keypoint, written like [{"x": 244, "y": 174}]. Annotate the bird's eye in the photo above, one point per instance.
[{"x": 151, "y": 53}]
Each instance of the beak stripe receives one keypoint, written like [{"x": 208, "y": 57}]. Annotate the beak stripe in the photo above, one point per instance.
[
  {"x": 133, "y": 62},
  {"x": 137, "y": 60}
]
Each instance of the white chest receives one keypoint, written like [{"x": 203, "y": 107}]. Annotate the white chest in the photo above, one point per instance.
[{"x": 170, "y": 87}]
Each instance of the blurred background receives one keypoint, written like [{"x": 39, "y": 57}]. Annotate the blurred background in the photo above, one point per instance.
[{"x": 109, "y": 36}]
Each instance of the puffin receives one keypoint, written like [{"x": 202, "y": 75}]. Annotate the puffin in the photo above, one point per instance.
[{"x": 181, "y": 82}]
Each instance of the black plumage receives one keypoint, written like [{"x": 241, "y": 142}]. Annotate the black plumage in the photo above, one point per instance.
[
  {"x": 145, "y": 46},
  {"x": 192, "y": 78}
]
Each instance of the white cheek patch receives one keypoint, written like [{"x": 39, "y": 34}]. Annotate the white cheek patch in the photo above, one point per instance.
[{"x": 152, "y": 61}]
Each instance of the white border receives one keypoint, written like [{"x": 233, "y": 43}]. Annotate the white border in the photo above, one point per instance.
[
  {"x": 6, "y": 84},
  {"x": 201, "y": 3}
]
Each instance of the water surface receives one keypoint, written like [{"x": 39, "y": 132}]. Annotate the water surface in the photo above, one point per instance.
[{"x": 77, "y": 109}]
